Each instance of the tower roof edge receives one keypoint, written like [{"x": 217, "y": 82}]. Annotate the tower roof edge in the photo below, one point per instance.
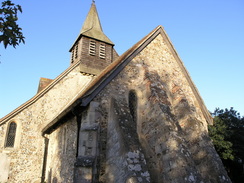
[{"x": 92, "y": 27}]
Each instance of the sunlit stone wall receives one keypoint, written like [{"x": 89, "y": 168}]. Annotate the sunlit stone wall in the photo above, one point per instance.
[
  {"x": 170, "y": 125},
  {"x": 25, "y": 159}
]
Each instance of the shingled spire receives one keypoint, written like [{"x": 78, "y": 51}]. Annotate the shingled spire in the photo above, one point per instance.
[
  {"x": 92, "y": 47},
  {"x": 92, "y": 27}
]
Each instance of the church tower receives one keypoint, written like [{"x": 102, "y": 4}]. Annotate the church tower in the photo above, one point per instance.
[{"x": 93, "y": 49}]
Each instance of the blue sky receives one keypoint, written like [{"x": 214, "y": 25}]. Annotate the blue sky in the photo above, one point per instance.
[{"x": 207, "y": 34}]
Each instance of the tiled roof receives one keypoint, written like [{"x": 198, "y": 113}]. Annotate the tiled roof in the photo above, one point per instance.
[
  {"x": 103, "y": 76},
  {"x": 99, "y": 82},
  {"x": 114, "y": 68},
  {"x": 38, "y": 95},
  {"x": 43, "y": 83}
]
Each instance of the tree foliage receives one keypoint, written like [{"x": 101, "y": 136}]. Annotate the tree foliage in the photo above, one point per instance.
[
  {"x": 227, "y": 135},
  {"x": 11, "y": 33},
  {"x": 219, "y": 134}
]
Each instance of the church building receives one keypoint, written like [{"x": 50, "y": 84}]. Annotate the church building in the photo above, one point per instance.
[{"x": 133, "y": 118}]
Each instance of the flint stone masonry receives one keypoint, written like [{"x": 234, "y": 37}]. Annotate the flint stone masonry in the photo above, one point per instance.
[
  {"x": 124, "y": 155},
  {"x": 168, "y": 141},
  {"x": 27, "y": 154},
  {"x": 4, "y": 167},
  {"x": 140, "y": 120},
  {"x": 171, "y": 127},
  {"x": 62, "y": 153}
]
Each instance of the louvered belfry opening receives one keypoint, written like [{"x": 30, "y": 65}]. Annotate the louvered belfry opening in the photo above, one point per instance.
[
  {"x": 102, "y": 51},
  {"x": 11, "y": 135},
  {"x": 92, "y": 48}
]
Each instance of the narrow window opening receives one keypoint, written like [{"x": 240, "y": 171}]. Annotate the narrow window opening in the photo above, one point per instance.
[
  {"x": 11, "y": 135},
  {"x": 133, "y": 105},
  {"x": 102, "y": 52},
  {"x": 92, "y": 48},
  {"x": 64, "y": 143}
]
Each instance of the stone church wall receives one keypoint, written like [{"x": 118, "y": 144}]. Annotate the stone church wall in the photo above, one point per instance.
[
  {"x": 162, "y": 137},
  {"x": 26, "y": 158},
  {"x": 62, "y": 153},
  {"x": 170, "y": 125}
]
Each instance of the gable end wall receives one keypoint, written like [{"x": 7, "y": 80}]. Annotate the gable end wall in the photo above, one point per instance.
[{"x": 171, "y": 126}]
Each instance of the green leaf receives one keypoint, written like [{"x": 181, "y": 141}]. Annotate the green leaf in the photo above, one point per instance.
[{"x": 11, "y": 33}]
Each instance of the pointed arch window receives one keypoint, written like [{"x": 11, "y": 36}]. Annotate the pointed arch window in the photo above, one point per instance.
[
  {"x": 133, "y": 105},
  {"x": 11, "y": 135}
]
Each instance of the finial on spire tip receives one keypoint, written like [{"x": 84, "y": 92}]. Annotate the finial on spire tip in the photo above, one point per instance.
[{"x": 93, "y": 1}]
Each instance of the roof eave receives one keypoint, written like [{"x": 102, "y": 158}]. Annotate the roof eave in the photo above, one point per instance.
[
  {"x": 114, "y": 68},
  {"x": 83, "y": 35},
  {"x": 104, "y": 78},
  {"x": 38, "y": 95}
]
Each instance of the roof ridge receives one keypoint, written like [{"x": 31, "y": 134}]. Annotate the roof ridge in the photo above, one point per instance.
[
  {"x": 125, "y": 55},
  {"x": 117, "y": 63},
  {"x": 103, "y": 74},
  {"x": 38, "y": 95}
]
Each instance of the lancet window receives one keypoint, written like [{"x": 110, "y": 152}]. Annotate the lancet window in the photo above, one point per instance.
[
  {"x": 133, "y": 105},
  {"x": 11, "y": 135}
]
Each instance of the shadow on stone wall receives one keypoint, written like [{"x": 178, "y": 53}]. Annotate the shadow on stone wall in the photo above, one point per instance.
[
  {"x": 125, "y": 158},
  {"x": 51, "y": 179},
  {"x": 173, "y": 153}
]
